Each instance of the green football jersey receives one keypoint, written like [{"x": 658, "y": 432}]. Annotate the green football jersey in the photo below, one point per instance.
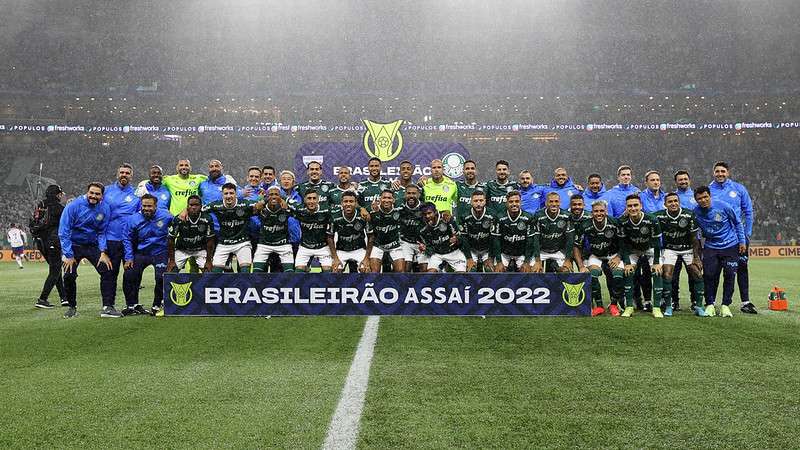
[
  {"x": 335, "y": 195},
  {"x": 314, "y": 226},
  {"x": 232, "y": 221},
  {"x": 350, "y": 233},
  {"x": 436, "y": 237},
  {"x": 191, "y": 235},
  {"x": 496, "y": 196},
  {"x": 181, "y": 189},
  {"x": 465, "y": 196},
  {"x": 602, "y": 241},
  {"x": 385, "y": 228},
  {"x": 443, "y": 194},
  {"x": 642, "y": 235},
  {"x": 369, "y": 191},
  {"x": 274, "y": 229},
  {"x": 410, "y": 224},
  {"x": 677, "y": 230},
  {"x": 514, "y": 234},
  {"x": 554, "y": 233},
  {"x": 323, "y": 189},
  {"x": 477, "y": 230}
]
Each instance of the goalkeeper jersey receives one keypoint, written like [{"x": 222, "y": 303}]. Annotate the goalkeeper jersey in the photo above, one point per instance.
[{"x": 181, "y": 189}]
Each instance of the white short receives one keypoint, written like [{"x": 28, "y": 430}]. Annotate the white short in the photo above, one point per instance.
[
  {"x": 305, "y": 255},
  {"x": 598, "y": 260},
  {"x": 506, "y": 260},
  {"x": 670, "y": 257},
  {"x": 182, "y": 256},
  {"x": 455, "y": 259},
  {"x": 411, "y": 253},
  {"x": 395, "y": 254},
  {"x": 648, "y": 255},
  {"x": 243, "y": 252},
  {"x": 558, "y": 257},
  {"x": 354, "y": 255},
  {"x": 284, "y": 252}
]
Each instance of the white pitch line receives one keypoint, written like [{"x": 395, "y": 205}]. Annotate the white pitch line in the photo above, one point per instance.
[{"x": 343, "y": 429}]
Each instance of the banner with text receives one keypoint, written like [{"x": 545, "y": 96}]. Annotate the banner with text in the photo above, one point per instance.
[{"x": 447, "y": 294}]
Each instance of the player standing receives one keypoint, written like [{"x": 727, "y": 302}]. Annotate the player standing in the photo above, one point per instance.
[
  {"x": 513, "y": 237},
  {"x": 641, "y": 242}
]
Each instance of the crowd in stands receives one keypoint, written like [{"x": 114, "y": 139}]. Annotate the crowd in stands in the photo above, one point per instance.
[{"x": 762, "y": 162}]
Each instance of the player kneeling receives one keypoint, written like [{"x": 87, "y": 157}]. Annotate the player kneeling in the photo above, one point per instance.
[
  {"x": 234, "y": 239},
  {"x": 273, "y": 235},
  {"x": 191, "y": 238},
  {"x": 349, "y": 228},
  {"x": 597, "y": 244},
  {"x": 145, "y": 242},
  {"x": 440, "y": 241},
  {"x": 679, "y": 229}
]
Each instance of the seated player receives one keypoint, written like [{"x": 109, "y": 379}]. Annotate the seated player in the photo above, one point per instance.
[
  {"x": 439, "y": 240},
  {"x": 383, "y": 234},
  {"x": 349, "y": 228},
  {"x": 191, "y": 238},
  {"x": 273, "y": 236},
  {"x": 554, "y": 237},
  {"x": 513, "y": 236},
  {"x": 476, "y": 229},
  {"x": 233, "y": 237},
  {"x": 314, "y": 224},
  {"x": 145, "y": 244},
  {"x": 679, "y": 237},
  {"x": 641, "y": 242},
  {"x": 597, "y": 244}
]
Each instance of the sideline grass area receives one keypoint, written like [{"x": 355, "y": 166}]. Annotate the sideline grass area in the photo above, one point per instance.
[
  {"x": 594, "y": 382},
  {"x": 162, "y": 383}
]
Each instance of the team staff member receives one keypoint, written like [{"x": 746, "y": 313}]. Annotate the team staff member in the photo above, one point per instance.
[
  {"x": 122, "y": 200},
  {"x": 45, "y": 228},
  {"x": 736, "y": 196},
  {"x": 155, "y": 187},
  {"x": 725, "y": 241},
  {"x": 82, "y": 231},
  {"x": 145, "y": 243}
]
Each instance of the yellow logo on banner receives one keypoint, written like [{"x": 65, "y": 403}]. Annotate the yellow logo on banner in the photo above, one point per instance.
[
  {"x": 181, "y": 294},
  {"x": 383, "y": 136},
  {"x": 573, "y": 294}
]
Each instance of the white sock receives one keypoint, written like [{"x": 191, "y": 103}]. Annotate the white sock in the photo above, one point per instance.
[{"x": 19, "y": 260}]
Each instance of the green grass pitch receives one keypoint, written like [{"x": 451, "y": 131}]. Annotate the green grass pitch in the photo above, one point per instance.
[{"x": 434, "y": 383}]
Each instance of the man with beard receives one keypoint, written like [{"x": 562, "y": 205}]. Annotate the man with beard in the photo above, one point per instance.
[
  {"x": 122, "y": 201},
  {"x": 467, "y": 187},
  {"x": 440, "y": 190},
  {"x": 597, "y": 245},
  {"x": 513, "y": 237},
  {"x": 181, "y": 185},
  {"x": 439, "y": 240},
  {"x": 371, "y": 189},
  {"x": 233, "y": 239},
  {"x": 411, "y": 223},
  {"x": 383, "y": 234},
  {"x": 268, "y": 178},
  {"x": 191, "y": 238},
  {"x": 345, "y": 184},
  {"x": 562, "y": 185},
  {"x": 155, "y": 187},
  {"x": 349, "y": 228},
  {"x": 679, "y": 229},
  {"x": 82, "y": 231},
  {"x": 476, "y": 230},
  {"x": 687, "y": 202},
  {"x": 315, "y": 182},
  {"x": 498, "y": 189},
  {"x": 145, "y": 243},
  {"x": 532, "y": 194},
  {"x": 554, "y": 237},
  {"x": 210, "y": 189},
  {"x": 274, "y": 235},
  {"x": 595, "y": 190}
]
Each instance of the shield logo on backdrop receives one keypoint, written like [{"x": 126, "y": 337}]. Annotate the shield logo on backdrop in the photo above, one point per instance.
[
  {"x": 181, "y": 294},
  {"x": 573, "y": 294},
  {"x": 383, "y": 136}
]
